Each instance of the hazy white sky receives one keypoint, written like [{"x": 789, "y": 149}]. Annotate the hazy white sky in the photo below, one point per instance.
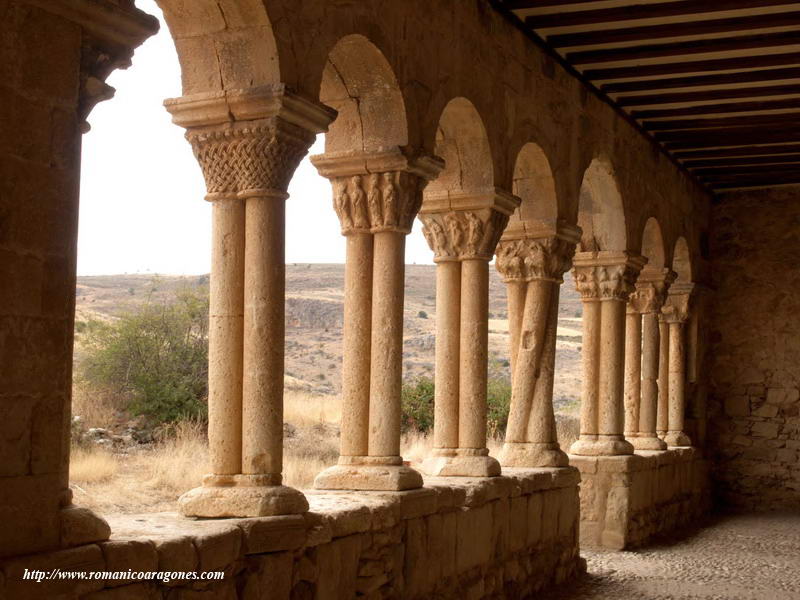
[{"x": 142, "y": 207}]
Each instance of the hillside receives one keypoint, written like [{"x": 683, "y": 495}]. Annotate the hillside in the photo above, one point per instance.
[{"x": 314, "y": 313}]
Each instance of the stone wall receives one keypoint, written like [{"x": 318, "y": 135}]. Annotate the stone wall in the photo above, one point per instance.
[
  {"x": 628, "y": 500},
  {"x": 754, "y": 418},
  {"x": 463, "y": 539}
]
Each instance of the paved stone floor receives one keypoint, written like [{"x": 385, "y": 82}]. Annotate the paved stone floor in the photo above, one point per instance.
[{"x": 750, "y": 557}]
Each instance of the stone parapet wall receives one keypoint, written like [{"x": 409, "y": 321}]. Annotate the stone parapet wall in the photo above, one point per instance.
[
  {"x": 754, "y": 400},
  {"x": 627, "y": 500},
  {"x": 459, "y": 538}
]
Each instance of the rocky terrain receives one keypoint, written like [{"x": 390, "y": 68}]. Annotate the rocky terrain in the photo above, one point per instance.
[{"x": 314, "y": 296}]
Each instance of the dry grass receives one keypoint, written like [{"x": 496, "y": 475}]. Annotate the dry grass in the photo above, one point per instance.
[
  {"x": 568, "y": 429},
  {"x": 305, "y": 409},
  {"x": 97, "y": 408},
  {"x": 92, "y": 465},
  {"x": 178, "y": 461}
]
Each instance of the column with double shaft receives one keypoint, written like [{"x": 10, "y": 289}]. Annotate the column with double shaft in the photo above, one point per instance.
[
  {"x": 463, "y": 232},
  {"x": 675, "y": 314},
  {"x": 533, "y": 264},
  {"x": 376, "y": 197},
  {"x": 605, "y": 281},
  {"x": 248, "y": 143},
  {"x": 642, "y": 357}
]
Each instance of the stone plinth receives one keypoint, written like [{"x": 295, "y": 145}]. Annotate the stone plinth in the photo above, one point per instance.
[
  {"x": 627, "y": 500},
  {"x": 455, "y": 538}
]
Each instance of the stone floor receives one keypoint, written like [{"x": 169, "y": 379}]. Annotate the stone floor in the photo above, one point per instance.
[{"x": 746, "y": 557}]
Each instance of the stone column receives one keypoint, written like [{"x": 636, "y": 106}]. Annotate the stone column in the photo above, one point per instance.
[
  {"x": 376, "y": 198},
  {"x": 633, "y": 370},
  {"x": 642, "y": 393},
  {"x": 662, "y": 417},
  {"x": 605, "y": 281},
  {"x": 248, "y": 144},
  {"x": 463, "y": 232},
  {"x": 676, "y": 314},
  {"x": 534, "y": 265}
]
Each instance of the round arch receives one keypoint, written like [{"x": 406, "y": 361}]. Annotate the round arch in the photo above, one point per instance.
[
  {"x": 601, "y": 215},
  {"x": 534, "y": 184},
  {"x": 653, "y": 244},
  {"x": 360, "y": 84},
  {"x": 682, "y": 261},
  {"x": 462, "y": 142}
]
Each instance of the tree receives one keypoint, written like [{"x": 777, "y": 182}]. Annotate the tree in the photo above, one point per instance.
[{"x": 154, "y": 356}]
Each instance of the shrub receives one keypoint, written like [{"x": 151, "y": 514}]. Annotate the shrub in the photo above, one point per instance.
[
  {"x": 155, "y": 356},
  {"x": 417, "y": 405},
  {"x": 422, "y": 314}
]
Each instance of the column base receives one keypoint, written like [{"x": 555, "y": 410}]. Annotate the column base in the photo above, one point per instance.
[
  {"x": 533, "y": 454},
  {"x": 648, "y": 443},
  {"x": 239, "y": 497},
  {"x": 677, "y": 439},
  {"x": 368, "y": 477},
  {"x": 467, "y": 463},
  {"x": 601, "y": 445}
]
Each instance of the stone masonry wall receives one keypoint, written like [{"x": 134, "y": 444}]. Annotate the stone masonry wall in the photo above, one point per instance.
[
  {"x": 627, "y": 500},
  {"x": 754, "y": 418},
  {"x": 503, "y": 537}
]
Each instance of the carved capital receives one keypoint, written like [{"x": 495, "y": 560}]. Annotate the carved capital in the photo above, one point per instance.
[
  {"x": 545, "y": 258},
  {"x": 249, "y": 158},
  {"x": 678, "y": 304},
  {"x": 606, "y": 275},
  {"x": 462, "y": 235},
  {"x": 651, "y": 290},
  {"x": 377, "y": 192}
]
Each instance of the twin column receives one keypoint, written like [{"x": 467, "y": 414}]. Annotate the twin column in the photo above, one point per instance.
[
  {"x": 533, "y": 269},
  {"x": 463, "y": 233},
  {"x": 675, "y": 314},
  {"x": 248, "y": 144},
  {"x": 376, "y": 198},
  {"x": 605, "y": 282},
  {"x": 642, "y": 358}
]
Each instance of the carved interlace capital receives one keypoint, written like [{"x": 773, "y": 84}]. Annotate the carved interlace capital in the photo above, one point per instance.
[
  {"x": 535, "y": 259},
  {"x": 606, "y": 276},
  {"x": 678, "y": 305},
  {"x": 248, "y": 158},
  {"x": 651, "y": 290},
  {"x": 375, "y": 202},
  {"x": 463, "y": 234}
]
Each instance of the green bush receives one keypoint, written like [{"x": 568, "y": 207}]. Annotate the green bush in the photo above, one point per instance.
[
  {"x": 417, "y": 405},
  {"x": 422, "y": 314},
  {"x": 154, "y": 356}
]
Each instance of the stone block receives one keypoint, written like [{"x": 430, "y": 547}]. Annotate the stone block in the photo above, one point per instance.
[
  {"x": 338, "y": 568},
  {"x": 87, "y": 558},
  {"x": 136, "y": 555},
  {"x": 270, "y": 575},
  {"x": 136, "y": 591},
  {"x": 272, "y": 534},
  {"x": 176, "y": 554},
  {"x": 765, "y": 429},
  {"x": 218, "y": 546},
  {"x": 737, "y": 406},
  {"x": 474, "y": 537},
  {"x": 551, "y": 500},
  {"x": 535, "y": 513},
  {"x": 518, "y": 520},
  {"x": 766, "y": 410}
]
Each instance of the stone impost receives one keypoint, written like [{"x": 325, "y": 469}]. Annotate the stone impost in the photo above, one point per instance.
[
  {"x": 641, "y": 390},
  {"x": 463, "y": 232},
  {"x": 605, "y": 281},
  {"x": 248, "y": 144},
  {"x": 376, "y": 198},
  {"x": 534, "y": 265},
  {"x": 676, "y": 314}
]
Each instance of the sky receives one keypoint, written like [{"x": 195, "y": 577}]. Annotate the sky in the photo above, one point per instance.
[{"x": 142, "y": 207}]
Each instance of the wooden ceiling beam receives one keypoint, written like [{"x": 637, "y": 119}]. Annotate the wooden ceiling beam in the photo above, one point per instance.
[
  {"x": 776, "y": 120},
  {"x": 758, "y": 182},
  {"x": 637, "y": 11},
  {"x": 706, "y": 95},
  {"x": 727, "y": 163},
  {"x": 701, "y": 80},
  {"x": 764, "y": 150},
  {"x": 669, "y": 30},
  {"x": 685, "y": 140},
  {"x": 523, "y": 4},
  {"x": 706, "y": 109},
  {"x": 746, "y": 171},
  {"x": 744, "y": 42},
  {"x": 697, "y": 66}
]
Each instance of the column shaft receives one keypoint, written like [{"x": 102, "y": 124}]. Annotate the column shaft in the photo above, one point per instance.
[
  {"x": 356, "y": 346},
  {"x": 473, "y": 353},
  {"x": 647, "y": 439},
  {"x": 590, "y": 355},
  {"x": 633, "y": 372},
  {"x": 611, "y": 418},
  {"x": 531, "y": 340},
  {"x": 264, "y": 328},
  {"x": 662, "y": 418},
  {"x": 516, "y": 291},
  {"x": 448, "y": 324},
  {"x": 677, "y": 386},
  {"x": 225, "y": 335},
  {"x": 387, "y": 345}
]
